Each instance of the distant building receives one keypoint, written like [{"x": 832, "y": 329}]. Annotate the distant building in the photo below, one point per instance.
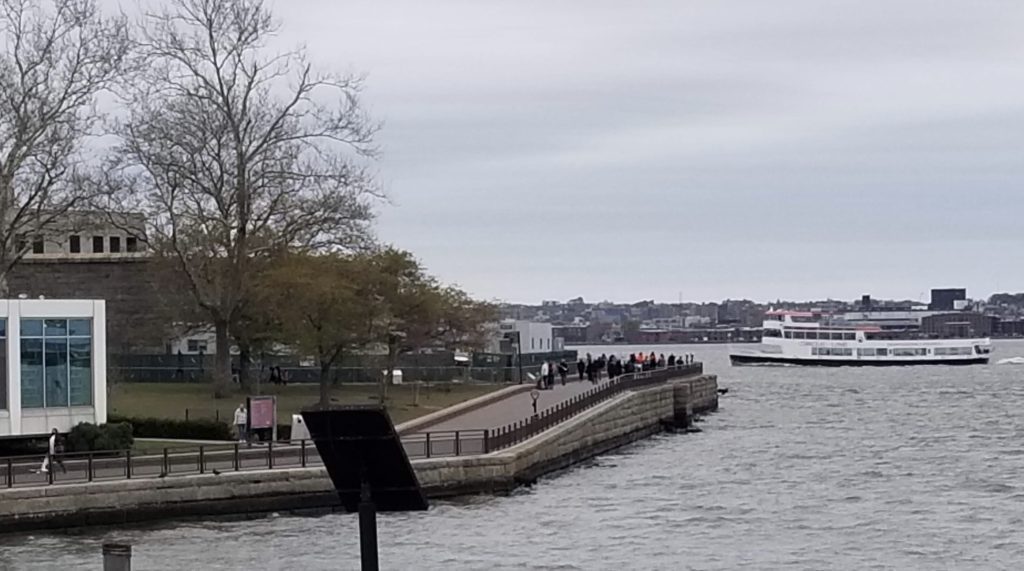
[
  {"x": 533, "y": 336},
  {"x": 947, "y": 299},
  {"x": 959, "y": 324},
  {"x": 572, "y": 334}
]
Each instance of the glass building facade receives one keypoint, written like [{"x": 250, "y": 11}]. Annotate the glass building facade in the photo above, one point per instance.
[
  {"x": 3, "y": 364},
  {"x": 56, "y": 363}
]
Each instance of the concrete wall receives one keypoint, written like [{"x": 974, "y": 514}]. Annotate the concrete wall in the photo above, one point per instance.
[
  {"x": 138, "y": 309},
  {"x": 618, "y": 421}
]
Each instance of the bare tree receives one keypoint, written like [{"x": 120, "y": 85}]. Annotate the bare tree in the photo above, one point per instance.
[
  {"x": 56, "y": 57},
  {"x": 237, "y": 153}
]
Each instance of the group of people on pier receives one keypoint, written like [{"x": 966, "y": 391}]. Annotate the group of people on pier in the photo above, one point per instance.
[{"x": 612, "y": 366}]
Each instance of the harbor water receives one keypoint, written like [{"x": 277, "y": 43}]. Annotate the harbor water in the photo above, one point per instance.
[{"x": 802, "y": 469}]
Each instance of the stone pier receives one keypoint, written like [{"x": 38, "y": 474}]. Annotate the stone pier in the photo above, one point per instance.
[{"x": 623, "y": 419}]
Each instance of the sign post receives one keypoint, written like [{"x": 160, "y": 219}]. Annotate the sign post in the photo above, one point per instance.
[{"x": 263, "y": 414}]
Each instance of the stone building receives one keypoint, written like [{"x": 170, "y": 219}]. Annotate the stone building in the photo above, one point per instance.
[{"x": 92, "y": 257}]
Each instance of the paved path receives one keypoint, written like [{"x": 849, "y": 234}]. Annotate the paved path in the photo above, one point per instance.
[{"x": 514, "y": 408}]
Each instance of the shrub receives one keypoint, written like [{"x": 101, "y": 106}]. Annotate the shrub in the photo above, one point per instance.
[
  {"x": 88, "y": 437},
  {"x": 203, "y": 429}
]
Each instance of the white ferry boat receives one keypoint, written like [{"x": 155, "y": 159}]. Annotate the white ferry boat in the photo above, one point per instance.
[{"x": 798, "y": 338}]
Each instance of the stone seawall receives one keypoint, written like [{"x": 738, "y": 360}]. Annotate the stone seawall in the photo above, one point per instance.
[{"x": 626, "y": 418}]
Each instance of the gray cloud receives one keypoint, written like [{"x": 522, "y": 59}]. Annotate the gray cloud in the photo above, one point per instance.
[{"x": 805, "y": 148}]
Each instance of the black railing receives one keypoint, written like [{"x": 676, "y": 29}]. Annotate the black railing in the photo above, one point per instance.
[
  {"x": 75, "y": 468},
  {"x": 519, "y": 431}
]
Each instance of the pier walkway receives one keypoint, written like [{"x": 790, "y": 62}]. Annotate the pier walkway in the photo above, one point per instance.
[{"x": 515, "y": 407}]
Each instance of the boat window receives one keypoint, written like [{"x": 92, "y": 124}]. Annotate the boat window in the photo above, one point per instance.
[
  {"x": 799, "y": 335},
  {"x": 772, "y": 333},
  {"x": 866, "y": 352},
  {"x": 909, "y": 352},
  {"x": 882, "y": 352},
  {"x": 849, "y": 336},
  {"x": 789, "y": 335}
]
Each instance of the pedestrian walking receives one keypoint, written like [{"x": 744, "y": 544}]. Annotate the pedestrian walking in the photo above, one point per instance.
[
  {"x": 563, "y": 370},
  {"x": 54, "y": 450},
  {"x": 241, "y": 421},
  {"x": 581, "y": 367},
  {"x": 551, "y": 375},
  {"x": 543, "y": 380}
]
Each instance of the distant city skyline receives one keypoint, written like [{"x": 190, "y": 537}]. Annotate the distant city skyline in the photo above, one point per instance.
[
  {"x": 799, "y": 149},
  {"x": 923, "y": 300}
]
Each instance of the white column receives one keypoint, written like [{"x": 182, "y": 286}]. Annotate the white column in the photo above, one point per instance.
[
  {"x": 99, "y": 360},
  {"x": 14, "y": 364}
]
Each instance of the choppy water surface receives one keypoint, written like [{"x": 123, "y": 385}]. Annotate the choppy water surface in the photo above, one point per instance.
[{"x": 902, "y": 468}]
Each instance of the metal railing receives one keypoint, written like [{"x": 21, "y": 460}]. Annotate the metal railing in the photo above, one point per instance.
[
  {"x": 75, "y": 468},
  {"x": 517, "y": 432},
  {"x": 84, "y": 467}
]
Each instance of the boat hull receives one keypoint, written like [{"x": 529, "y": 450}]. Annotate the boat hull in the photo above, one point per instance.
[{"x": 751, "y": 359}]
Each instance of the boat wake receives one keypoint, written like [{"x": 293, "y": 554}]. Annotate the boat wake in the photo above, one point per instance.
[{"x": 1011, "y": 361}]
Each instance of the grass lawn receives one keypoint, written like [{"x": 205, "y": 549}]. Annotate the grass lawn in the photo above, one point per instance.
[{"x": 171, "y": 400}]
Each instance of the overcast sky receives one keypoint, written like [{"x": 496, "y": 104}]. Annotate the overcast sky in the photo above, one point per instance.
[{"x": 697, "y": 149}]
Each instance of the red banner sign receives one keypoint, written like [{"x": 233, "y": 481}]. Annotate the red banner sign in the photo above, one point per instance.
[{"x": 261, "y": 412}]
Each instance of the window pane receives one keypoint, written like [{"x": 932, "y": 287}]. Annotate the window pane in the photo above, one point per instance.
[
  {"x": 115, "y": 244},
  {"x": 56, "y": 372},
  {"x": 3, "y": 328},
  {"x": 31, "y": 327},
  {"x": 79, "y": 327},
  {"x": 97, "y": 244},
  {"x": 32, "y": 373},
  {"x": 75, "y": 245},
  {"x": 56, "y": 327},
  {"x": 81, "y": 371}
]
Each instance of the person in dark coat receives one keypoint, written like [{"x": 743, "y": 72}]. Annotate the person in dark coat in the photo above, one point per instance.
[
  {"x": 563, "y": 370},
  {"x": 581, "y": 368},
  {"x": 672, "y": 360}
]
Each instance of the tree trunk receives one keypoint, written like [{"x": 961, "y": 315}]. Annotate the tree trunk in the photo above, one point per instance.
[
  {"x": 389, "y": 376},
  {"x": 244, "y": 366},
  {"x": 222, "y": 368},
  {"x": 325, "y": 382}
]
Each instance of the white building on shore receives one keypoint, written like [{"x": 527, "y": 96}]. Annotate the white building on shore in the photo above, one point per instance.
[{"x": 53, "y": 365}]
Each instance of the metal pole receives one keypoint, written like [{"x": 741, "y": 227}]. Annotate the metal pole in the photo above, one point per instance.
[
  {"x": 367, "y": 529},
  {"x": 117, "y": 557}
]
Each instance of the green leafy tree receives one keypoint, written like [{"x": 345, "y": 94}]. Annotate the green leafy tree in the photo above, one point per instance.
[{"x": 316, "y": 301}]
